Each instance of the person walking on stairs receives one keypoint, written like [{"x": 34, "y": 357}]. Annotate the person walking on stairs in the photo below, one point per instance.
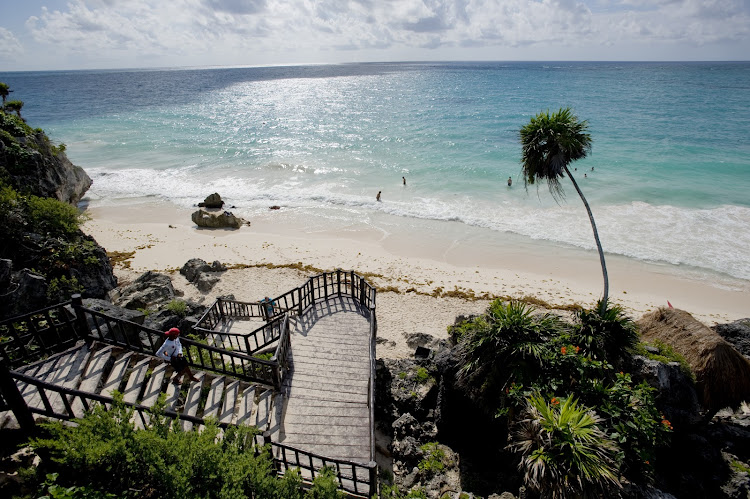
[{"x": 171, "y": 351}]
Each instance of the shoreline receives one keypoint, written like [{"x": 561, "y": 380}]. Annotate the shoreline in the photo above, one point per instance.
[{"x": 419, "y": 264}]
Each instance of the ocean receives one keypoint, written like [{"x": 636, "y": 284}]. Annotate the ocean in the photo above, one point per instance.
[{"x": 667, "y": 179}]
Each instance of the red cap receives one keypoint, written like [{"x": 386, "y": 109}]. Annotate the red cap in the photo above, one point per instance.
[{"x": 173, "y": 332}]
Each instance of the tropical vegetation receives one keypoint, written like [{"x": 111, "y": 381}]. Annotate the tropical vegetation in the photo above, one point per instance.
[
  {"x": 549, "y": 143},
  {"x": 104, "y": 455},
  {"x": 537, "y": 373}
]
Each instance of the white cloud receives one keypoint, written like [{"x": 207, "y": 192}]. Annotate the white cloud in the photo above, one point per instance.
[
  {"x": 248, "y": 31},
  {"x": 10, "y": 47}
]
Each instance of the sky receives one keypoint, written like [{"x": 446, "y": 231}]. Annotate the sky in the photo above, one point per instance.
[{"x": 103, "y": 34}]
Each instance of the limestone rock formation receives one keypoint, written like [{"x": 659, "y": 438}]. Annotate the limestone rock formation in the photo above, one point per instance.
[
  {"x": 212, "y": 201},
  {"x": 222, "y": 220},
  {"x": 202, "y": 274},
  {"x": 149, "y": 290},
  {"x": 49, "y": 173}
]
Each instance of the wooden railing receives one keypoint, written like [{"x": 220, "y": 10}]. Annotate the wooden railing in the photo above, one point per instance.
[
  {"x": 357, "y": 479},
  {"x": 36, "y": 335},
  {"x": 119, "y": 332},
  {"x": 317, "y": 288},
  {"x": 251, "y": 342}
]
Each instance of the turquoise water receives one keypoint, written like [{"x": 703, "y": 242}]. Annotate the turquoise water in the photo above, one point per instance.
[{"x": 670, "y": 159}]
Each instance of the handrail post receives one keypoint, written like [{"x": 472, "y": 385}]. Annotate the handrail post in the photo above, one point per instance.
[
  {"x": 77, "y": 302},
  {"x": 220, "y": 304},
  {"x": 373, "y": 479},
  {"x": 16, "y": 401},
  {"x": 338, "y": 280},
  {"x": 325, "y": 286},
  {"x": 312, "y": 291},
  {"x": 351, "y": 282},
  {"x": 299, "y": 301}
]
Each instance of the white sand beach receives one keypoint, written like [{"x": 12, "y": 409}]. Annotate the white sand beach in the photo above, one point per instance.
[{"x": 419, "y": 265}]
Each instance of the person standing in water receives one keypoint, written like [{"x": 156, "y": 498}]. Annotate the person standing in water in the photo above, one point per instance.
[
  {"x": 377, "y": 198},
  {"x": 404, "y": 179},
  {"x": 510, "y": 181}
]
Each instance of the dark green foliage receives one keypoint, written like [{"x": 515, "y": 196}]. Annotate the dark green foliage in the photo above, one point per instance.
[
  {"x": 324, "y": 485},
  {"x": 178, "y": 307},
  {"x": 60, "y": 288},
  {"x": 106, "y": 453},
  {"x": 52, "y": 217},
  {"x": 50, "y": 489},
  {"x": 509, "y": 344},
  {"x": 608, "y": 335},
  {"x": 512, "y": 355}
]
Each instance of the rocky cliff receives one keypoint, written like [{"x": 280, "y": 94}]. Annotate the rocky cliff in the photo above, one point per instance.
[{"x": 44, "y": 256}]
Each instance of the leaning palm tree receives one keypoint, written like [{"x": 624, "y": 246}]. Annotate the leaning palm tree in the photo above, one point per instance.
[{"x": 549, "y": 143}]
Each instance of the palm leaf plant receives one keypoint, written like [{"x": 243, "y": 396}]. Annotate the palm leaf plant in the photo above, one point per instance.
[
  {"x": 563, "y": 451},
  {"x": 549, "y": 143},
  {"x": 507, "y": 344}
]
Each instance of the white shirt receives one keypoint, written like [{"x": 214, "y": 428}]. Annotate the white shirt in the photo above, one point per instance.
[{"x": 169, "y": 349}]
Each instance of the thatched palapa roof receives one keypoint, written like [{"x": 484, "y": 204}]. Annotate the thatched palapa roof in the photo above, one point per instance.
[{"x": 722, "y": 373}]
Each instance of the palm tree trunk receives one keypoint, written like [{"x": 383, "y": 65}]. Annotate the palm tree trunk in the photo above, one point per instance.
[{"x": 603, "y": 306}]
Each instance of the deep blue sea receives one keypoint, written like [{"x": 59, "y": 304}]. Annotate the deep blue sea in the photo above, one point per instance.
[{"x": 668, "y": 178}]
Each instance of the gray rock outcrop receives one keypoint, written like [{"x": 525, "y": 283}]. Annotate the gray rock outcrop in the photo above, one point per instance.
[
  {"x": 212, "y": 201},
  {"x": 49, "y": 173},
  {"x": 738, "y": 334},
  {"x": 203, "y": 275},
  {"x": 223, "y": 220},
  {"x": 149, "y": 290}
]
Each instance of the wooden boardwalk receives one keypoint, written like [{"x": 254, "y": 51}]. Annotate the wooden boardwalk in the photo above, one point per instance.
[{"x": 326, "y": 390}]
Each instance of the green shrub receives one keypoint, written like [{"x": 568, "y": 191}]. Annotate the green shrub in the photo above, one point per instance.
[
  {"x": 433, "y": 460},
  {"x": 606, "y": 336},
  {"x": 178, "y": 307},
  {"x": 666, "y": 355},
  {"x": 635, "y": 423},
  {"x": 60, "y": 288},
  {"x": 106, "y": 453},
  {"x": 422, "y": 376},
  {"x": 51, "y": 216},
  {"x": 50, "y": 489},
  {"x": 325, "y": 485},
  {"x": 564, "y": 453},
  {"x": 508, "y": 344}
]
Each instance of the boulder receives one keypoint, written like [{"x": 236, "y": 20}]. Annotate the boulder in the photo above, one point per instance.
[
  {"x": 149, "y": 290},
  {"x": 676, "y": 396},
  {"x": 206, "y": 282},
  {"x": 27, "y": 292},
  {"x": 132, "y": 332},
  {"x": 97, "y": 279},
  {"x": 737, "y": 333},
  {"x": 224, "y": 220},
  {"x": 212, "y": 201},
  {"x": 193, "y": 268}
]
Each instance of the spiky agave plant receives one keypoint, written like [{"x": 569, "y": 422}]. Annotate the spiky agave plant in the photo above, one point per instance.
[
  {"x": 508, "y": 343},
  {"x": 605, "y": 332},
  {"x": 563, "y": 451}
]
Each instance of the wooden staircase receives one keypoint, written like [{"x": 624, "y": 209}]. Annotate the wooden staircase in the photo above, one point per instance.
[{"x": 101, "y": 369}]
